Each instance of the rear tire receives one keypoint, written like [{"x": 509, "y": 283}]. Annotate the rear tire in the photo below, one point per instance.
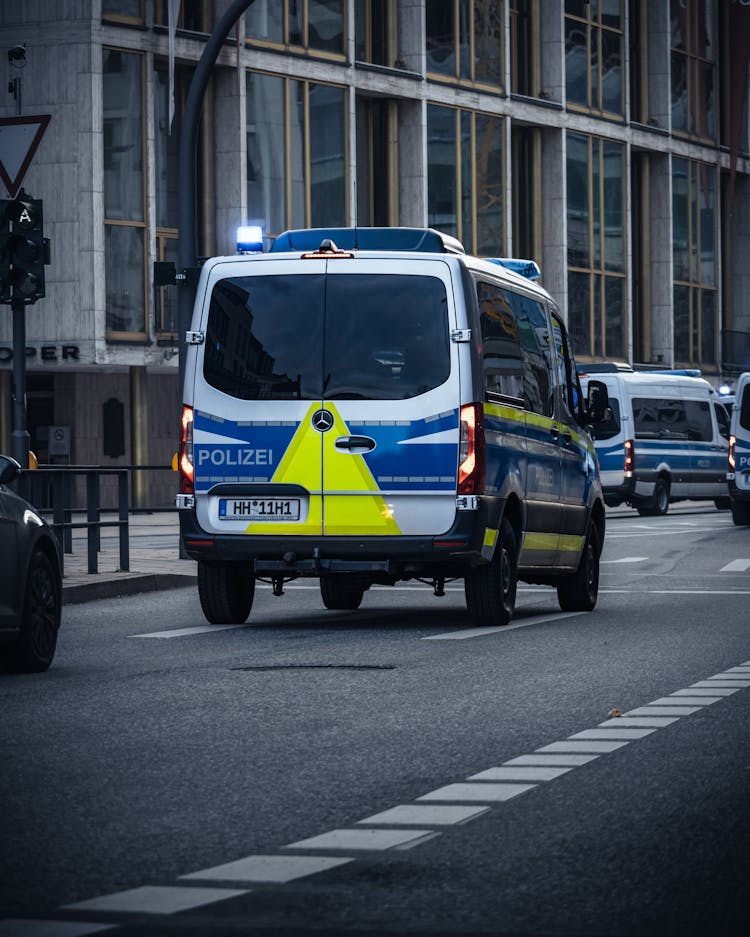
[
  {"x": 579, "y": 592},
  {"x": 226, "y": 591},
  {"x": 491, "y": 589},
  {"x": 741, "y": 513},
  {"x": 34, "y": 649},
  {"x": 340, "y": 595},
  {"x": 723, "y": 504},
  {"x": 658, "y": 504}
]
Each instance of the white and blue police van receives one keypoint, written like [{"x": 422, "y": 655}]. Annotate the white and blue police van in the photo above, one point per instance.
[
  {"x": 738, "y": 476},
  {"x": 665, "y": 438},
  {"x": 366, "y": 406}
]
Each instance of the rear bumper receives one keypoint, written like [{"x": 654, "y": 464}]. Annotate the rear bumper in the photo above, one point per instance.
[
  {"x": 620, "y": 494},
  {"x": 737, "y": 494}
]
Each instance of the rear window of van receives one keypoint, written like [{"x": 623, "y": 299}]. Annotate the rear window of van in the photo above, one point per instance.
[{"x": 336, "y": 337}]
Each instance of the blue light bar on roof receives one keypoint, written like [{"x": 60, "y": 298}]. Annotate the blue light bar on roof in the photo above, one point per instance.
[
  {"x": 249, "y": 239},
  {"x": 525, "y": 268}
]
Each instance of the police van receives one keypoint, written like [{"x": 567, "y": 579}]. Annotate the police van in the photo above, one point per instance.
[
  {"x": 366, "y": 406},
  {"x": 738, "y": 476},
  {"x": 665, "y": 439}
]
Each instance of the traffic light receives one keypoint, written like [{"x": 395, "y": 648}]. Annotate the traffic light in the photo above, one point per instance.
[{"x": 24, "y": 250}]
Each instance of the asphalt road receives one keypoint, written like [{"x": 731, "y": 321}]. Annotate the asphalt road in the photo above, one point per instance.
[{"x": 391, "y": 770}]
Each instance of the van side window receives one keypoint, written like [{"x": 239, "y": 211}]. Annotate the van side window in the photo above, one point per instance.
[
  {"x": 533, "y": 333},
  {"x": 567, "y": 375},
  {"x": 654, "y": 418},
  {"x": 722, "y": 418},
  {"x": 501, "y": 349},
  {"x": 744, "y": 406},
  {"x": 698, "y": 419}
]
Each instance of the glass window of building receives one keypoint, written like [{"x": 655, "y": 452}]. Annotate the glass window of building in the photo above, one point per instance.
[
  {"x": 123, "y": 11},
  {"x": 123, "y": 135},
  {"x": 596, "y": 245},
  {"x": 693, "y": 67},
  {"x": 296, "y": 153},
  {"x": 375, "y": 31},
  {"x": 524, "y": 39},
  {"x": 465, "y": 171},
  {"x": 694, "y": 262},
  {"x": 465, "y": 41},
  {"x": 377, "y": 162},
  {"x": 194, "y": 15},
  {"x": 594, "y": 55},
  {"x": 316, "y": 25}
]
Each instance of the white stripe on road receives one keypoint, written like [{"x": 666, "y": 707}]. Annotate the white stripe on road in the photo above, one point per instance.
[
  {"x": 156, "y": 899},
  {"x": 535, "y": 758},
  {"x": 520, "y": 773},
  {"x": 626, "y": 559},
  {"x": 582, "y": 746},
  {"x": 481, "y": 632},
  {"x": 729, "y": 679},
  {"x": 650, "y": 710},
  {"x": 481, "y": 793},
  {"x": 278, "y": 869},
  {"x": 736, "y": 566},
  {"x": 656, "y": 721},
  {"x": 616, "y": 730},
  {"x": 362, "y": 839},
  {"x": 184, "y": 632},
  {"x": 713, "y": 691},
  {"x": 426, "y": 815},
  {"x": 691, "y": 700},
  {"x": 25, "y": 927}
]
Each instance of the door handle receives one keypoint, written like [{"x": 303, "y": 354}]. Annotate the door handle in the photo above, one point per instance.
[
  {"x": 363, "y": 443},
  {"x": 554, "y": 433}
]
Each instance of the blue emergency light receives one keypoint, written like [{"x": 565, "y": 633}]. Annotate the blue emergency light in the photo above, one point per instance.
[
  {"x": 249, "y": 239},
  {"x": 525, "y": 268}
]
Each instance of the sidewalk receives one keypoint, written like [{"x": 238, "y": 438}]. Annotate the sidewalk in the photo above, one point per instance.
[{"x": 154, "y": 560}]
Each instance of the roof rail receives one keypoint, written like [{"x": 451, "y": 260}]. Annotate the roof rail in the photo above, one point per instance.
[
  {"x": 426, "y": 240},
  {"x": 525, "y": 268},
  {"x": 604, "y": 367}
]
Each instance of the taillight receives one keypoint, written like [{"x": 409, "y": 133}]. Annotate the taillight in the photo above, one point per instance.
[
  {"x": 629, "y": 463},
  {"x": 732, "y": 444},
  {"x": 187, "y": 472},
  {"x": 471, "y": 450}
]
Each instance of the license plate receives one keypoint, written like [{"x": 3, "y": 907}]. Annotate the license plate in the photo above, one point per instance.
[{"x": 259, "y": 509}]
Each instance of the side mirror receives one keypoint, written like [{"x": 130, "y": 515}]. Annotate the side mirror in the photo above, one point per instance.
[
  {"x": 9, "y": 470},
  {"x": 597, "y": 401}
]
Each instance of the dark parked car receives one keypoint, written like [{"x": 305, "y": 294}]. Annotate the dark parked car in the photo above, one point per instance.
[{"x": 30, "y": 581}]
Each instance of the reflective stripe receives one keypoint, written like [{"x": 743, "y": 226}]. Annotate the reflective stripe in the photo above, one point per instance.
[{"x": 490, "y": 536}]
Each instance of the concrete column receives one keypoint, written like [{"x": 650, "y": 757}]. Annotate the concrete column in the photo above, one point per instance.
[
  {"x": 660, "y": 257},
  {"x": 659, "y": 77},
  {"x": 552, "y": 66},
  {"x": 412, "y": 163},
  {"x": 554, "y": 219},
  {"x": 139, "y": 434},
  {"x": 229, "y": 175}
]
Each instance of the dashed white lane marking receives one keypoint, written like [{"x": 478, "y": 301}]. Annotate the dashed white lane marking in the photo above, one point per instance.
[
  {"x": 650, "y": 710},
  {"x": 279, "y": 869},
  {"x": 729, "y": 679},
  {"x": 626, "y": 559},
  {"x": 520, "y": 773},
  {"x": 706, "y": 691},
  {"x": 481, "y": 632},
  {"x": 25, "y": 927},
  {"x": 426, "y": 814},
  {"x": 579, "y": 745},
  {"x": 481, "y": 792},
  {"x": 156, "y": 899},
  {"x": 537, "y": 758},
  {"x": 617, "y": 730},
  {"x": 657, "y": 722},
  {"x": 691, "y": 700},
  {"x": 184, "y": 632},
  {"x": 363, "y": 839},
  {"x": 736, "y": 566}
]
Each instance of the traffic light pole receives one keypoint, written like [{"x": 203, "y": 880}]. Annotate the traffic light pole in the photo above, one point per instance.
[{"x": 19, "y": 434}]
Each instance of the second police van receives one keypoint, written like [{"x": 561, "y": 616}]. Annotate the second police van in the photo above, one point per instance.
[
  {"x": 665, "y": 439},
  {"x": 366, "y": 406},
  {"x": 738, "y": 476}
]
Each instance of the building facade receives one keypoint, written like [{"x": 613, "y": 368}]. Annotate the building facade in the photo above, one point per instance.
[{"x": 606, "y": 139}]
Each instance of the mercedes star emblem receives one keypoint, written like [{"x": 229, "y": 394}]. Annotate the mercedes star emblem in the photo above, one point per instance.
[{"x": 322, "y": 420}]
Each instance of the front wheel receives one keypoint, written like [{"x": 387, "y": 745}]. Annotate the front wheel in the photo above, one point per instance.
[
  {"x": 226, "y": 591},
  {"x": 491, "y": 589},
  {"x": 34, "y": 648},
  {"x": 579, "y": 592},
  {"x": 741, "y": 513},
  {"x": 340, "y": 595}
]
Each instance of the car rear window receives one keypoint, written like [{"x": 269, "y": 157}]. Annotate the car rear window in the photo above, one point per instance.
[
  {"x": 310, "y": 337},
  {"x": 611, "y": 426}
]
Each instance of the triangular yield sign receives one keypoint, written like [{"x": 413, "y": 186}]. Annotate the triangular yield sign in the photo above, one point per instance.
[{"x": 19, "y": 139}]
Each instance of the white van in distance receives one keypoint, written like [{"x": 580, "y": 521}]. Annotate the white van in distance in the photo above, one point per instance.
[
  {"x": 738, "y": 476},
  {"x": 667, "y": 439}
]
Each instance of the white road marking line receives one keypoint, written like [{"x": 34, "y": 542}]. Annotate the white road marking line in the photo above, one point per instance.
[
  {"x": 156, "y": 899},
  {"x": 706, "y": 691},
  {"x": 481, "y": 632},
  {"x": 615, "y": 731},
  {"x": 728, "y": 679},
  {"x": 520, "y": 773},
  {"x": 656, "y": 721},
  {"x": 25, "y": 927},
  {"x": 663, "y": 710},
  {"x": 736, "y": 566},
  {"x": 361, "y": 839},
  {"x": 536, "y": 758},
  {"x": 278, "y": 869},
  {"x": 692, "y": 700},
  {"x": 744, "y": 668},
  {"x": 582, "y": 746},
  {"x": 626, "y": 559},
  {"x": 427, "y": 815},
  {"x": 184, "y": 632},
  {"x": 477, "y": 793}
]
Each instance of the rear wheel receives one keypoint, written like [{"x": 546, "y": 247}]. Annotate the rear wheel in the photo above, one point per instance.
[
  {"x": 35, "y": 646},
  {"x": 723, "y": 504},
  {"x": 491, "y": 589},
  {"x": 579, "y": 592},
  {"x": 741, "y": 513},
  {"x": 659, "y": 503},
  {"x": 340, "y": 595},
  {"x": 226, "y": 592}
]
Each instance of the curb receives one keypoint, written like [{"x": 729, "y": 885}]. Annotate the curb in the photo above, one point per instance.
[{"x": 133, "y": 585}]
